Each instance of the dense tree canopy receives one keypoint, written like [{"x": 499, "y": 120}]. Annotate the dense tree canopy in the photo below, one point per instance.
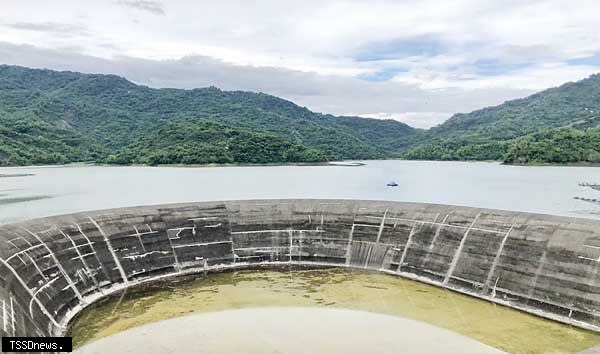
[
  {"x": 559, "y": 116},
  {"x": 55, "y": 117},
  {"x": 205, "y": 143},
  {"x": 49, "y": 117},
  {"x": 566, "y": 145}
]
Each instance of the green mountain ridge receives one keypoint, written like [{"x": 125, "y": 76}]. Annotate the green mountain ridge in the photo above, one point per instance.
[
  {"x": 49, "y": 117},
  {"x": 56, "y": 117},
  {"x": 491, "y": 133},
  {"x": 552, "y": 108}
]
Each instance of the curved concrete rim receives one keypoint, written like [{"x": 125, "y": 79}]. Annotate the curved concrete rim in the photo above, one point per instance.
[
  {"x": 592, "y": 221},
  {"x": 542, "y": 264}
]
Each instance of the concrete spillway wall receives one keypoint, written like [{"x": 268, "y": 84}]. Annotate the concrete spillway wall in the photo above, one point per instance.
[{"x": 50, "y": 268}]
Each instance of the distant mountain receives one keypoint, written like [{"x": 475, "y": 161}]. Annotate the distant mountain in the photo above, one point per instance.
[
  {"x": 55, "y": 117},
  {"x": 489, "y": 133},
  {"x": 51, "y": 117}
]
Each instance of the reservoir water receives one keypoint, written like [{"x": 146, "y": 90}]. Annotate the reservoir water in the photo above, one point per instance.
[{"x": 30, "y": 192}]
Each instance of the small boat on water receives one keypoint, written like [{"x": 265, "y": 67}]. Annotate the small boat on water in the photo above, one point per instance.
[{"x": 392, "y": 184}]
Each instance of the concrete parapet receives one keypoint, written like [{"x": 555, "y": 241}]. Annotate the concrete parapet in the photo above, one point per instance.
[{"x": 51, "y": 268}]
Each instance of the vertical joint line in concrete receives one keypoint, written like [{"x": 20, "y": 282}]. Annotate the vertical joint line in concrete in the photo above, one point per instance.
[
  {"x": 79, "y": 255},
  {"x": 494, "y": 289},
  {"x": 4, "y": 315},
  {"x": 384, "y": 257},
  {"x": 300, "y": 243},
  {"x": 291, "y": 233},
  {"x": 322, "y": 221},
  {"x": 100, "y": 264},
  {"x": 18, "y": 251},
  {"x": 232, "y": 246},
  {"x": 139, "y": 237},
  {"x": 231, "y": 235},
  {"x": 12, "y": 316},
  {"x": 349, "y": 246},
  {"x": 111, "y": 249},
  {"x": 36, "y": 266},
  {"x": 438, "y": 231},
  {"x": 497, "y": 258},
  {"x": 368, "y": 257},
  {"x": 30, "y": 292},
  {"x": 381, "y": 226},
  {"x": 59, "y": 265},
  {"x": 177, "y": 265},
  {"x": 459, "y": 251},
  {"x": 413, "y": 230},
  {"x": 39, "y": 290},
  {"x": 537, "y": 275}
]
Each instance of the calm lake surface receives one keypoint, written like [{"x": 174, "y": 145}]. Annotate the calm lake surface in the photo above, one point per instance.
[{"x": 59, "y": 190}]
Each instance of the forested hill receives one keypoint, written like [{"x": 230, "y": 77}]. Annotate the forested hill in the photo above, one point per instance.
[
  {"x": 49, "y": 117},
  {"x": 575, "y": 104},
  {"x": 491, "y": 133},
  {"x": 56, "y": 117}
]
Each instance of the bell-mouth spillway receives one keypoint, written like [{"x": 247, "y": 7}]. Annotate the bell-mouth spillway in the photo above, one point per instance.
[
  {"x": 137, "y": 313},
  {"x": 54, "y": 267}
]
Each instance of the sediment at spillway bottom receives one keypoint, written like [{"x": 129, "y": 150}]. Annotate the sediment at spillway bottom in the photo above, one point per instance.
[{"x": 287, "y": 310}]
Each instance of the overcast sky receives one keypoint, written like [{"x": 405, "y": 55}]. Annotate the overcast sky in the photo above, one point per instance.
[{"x": 416, "y": 61}]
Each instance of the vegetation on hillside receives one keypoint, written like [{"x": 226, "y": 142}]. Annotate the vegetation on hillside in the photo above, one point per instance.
[
  {"x": 514, "y": 130},
  {"x": 49, "y": 117},
  {"x": 570, "y": 105},
  {"x": 56, "y": 117},
  {"x": 206, "y": 143},
  {"x": 566, "y": 145},
  {"x": 559, "y": 146},
  {"x": 458, "y": 150}
]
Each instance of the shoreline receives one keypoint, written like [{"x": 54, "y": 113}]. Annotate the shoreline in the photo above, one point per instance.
[
  {"x": 275, "y": 164},
  {"x": 554, "y": 164},
  {"x": 342, "y": 163}
]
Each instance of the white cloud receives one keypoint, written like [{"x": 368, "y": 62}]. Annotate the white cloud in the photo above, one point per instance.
[
  {"x": 153, "y": 7},
  {"x": 534, "y": 78},
  {"x": 370, "y": 56},
  {"x": 321, "y": 93},
  {"x": 415, "y": 119}
]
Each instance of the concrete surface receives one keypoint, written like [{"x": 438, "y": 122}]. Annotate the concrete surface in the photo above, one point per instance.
[
  {"x": 288, "y": 330},
  {"x": 50, "y": 268}
]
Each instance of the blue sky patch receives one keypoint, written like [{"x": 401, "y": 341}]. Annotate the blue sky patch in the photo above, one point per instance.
[
  {"x": 382, "y": 75},
  {"x": 593, "y": 60},
  {"x": 426, "y": 45},
  {"x": 492, "y": 67}
]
